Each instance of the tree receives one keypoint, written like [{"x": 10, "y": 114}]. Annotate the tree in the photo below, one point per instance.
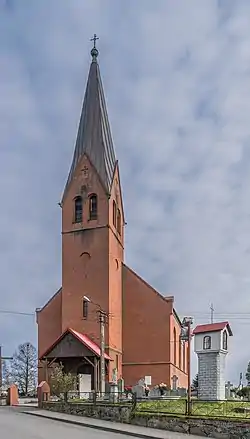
[
  {"x": 61, "y": 382},
  {"x": 24, "y": 368},
  {"x": 195, "y": 381},
  {"x": 6, "y": 375},
  {"x": 244, "y": 392},
  {"x": 248, "y": 374}
]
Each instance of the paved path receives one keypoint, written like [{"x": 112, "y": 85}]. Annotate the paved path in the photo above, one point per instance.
[{"x": 96, "y": 428}]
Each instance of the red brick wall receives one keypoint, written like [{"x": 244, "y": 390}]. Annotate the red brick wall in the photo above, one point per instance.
[
  {"x": 146, "y": 325},
  {"x": 49, "y": 323},
  {"x": 115, "y": 255},
  {"x": 159, "y": 373},
  {"x": 92, "y": 260},
  {"x": 176, "y": 353},
  {"x": 84, "y": 247},
  {"x": 141, "y": 321}
]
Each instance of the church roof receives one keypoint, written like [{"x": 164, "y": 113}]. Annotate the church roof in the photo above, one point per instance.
[
  {"x": 94, "y": 135},
  {"x": 212, "y": 327},
  {"x": 82, "y": 338}
]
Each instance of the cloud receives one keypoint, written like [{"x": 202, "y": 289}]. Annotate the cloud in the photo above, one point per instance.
[{"x": 176, "y": 78}]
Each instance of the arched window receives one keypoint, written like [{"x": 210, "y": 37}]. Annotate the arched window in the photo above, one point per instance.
[
  {"x": 78, "y": 210},
  {"x": 118, "y": 221},
  {"x": 114, "y": 213},
  {"x": 93, "y": 207},
  {"x": 180, "y": 354},
  {"x": 207, "y": 342},
  {"x": 175, "y": 348},
  {"x": 184, "y": 357},
  {"x": 225, "y": 340}
]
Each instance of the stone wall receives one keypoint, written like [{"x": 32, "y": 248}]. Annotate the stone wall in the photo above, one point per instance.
[
  {"x": 219, "y": 429},
  {"x": 211, "y": 367},
  {"x": 109, "y": 412}
]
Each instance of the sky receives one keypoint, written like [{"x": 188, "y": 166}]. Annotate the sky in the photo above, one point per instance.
[{"x": 177, "y": 84}]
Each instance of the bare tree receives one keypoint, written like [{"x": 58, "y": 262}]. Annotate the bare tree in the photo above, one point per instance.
[
  {"x": 24, "y": 368},
  {"x": 6, "y": 375}
]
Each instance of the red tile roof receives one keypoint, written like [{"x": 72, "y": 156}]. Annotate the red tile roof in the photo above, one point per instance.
[
  {"x": 212, "y": 327},
  {"x": 84, "y": 339}
]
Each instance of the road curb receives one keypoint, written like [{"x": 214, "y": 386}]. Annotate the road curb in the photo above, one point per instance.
[{"x": 94, "y": 427}]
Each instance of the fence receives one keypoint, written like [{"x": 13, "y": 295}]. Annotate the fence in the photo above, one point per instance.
[
  {"x": 163, "y": 405},
  {"x": 94, "y": 398},
  {"x": 206, "y": 409}
]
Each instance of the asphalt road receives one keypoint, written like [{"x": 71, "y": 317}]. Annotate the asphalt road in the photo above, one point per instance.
[{"x": 17, "y": 425}]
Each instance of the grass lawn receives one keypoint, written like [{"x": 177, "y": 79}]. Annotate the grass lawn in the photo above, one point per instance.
[{"x": 223, "y": 409}]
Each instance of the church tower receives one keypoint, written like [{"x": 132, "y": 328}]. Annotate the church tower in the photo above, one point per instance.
[
  {"x": 93, "y": 226},
  {"x": 95, "y": 277}
]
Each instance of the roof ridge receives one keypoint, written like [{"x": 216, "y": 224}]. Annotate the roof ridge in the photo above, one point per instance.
[{"x": 210, "y": 327}]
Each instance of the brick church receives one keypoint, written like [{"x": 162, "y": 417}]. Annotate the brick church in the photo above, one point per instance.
[{"x": 142, "y": 327}]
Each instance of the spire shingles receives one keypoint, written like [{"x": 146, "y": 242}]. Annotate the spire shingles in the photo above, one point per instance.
[{"x": 94, "y": 135}]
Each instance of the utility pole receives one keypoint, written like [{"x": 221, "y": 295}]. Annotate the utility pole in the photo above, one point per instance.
[
  {"x": 102, "y": 320},
  {"x": 212, "y": 313},
  {"x": 186, "y": 336},
  {"x": 102, "y": 373}
]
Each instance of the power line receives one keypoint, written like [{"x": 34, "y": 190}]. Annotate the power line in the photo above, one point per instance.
[
  {"x": 3, "y": 311},
  {"x": 224, "y": 312},
  {"x": 196, "y": 314},
  {"x": 205, "y": 320}
]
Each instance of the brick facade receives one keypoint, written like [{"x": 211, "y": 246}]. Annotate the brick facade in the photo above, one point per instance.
[{"x": 142, "y": 336}]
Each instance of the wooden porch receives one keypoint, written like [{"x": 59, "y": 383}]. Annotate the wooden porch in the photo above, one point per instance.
[{"x": 80, "y": 356}]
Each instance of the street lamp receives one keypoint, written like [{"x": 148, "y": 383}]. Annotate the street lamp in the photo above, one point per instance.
[
  {"x": 186, "y": 335},
  {"x": 102, "y": 319}
]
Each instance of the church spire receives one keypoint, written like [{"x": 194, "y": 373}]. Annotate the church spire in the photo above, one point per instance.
[{"x": 94, "y": 135}]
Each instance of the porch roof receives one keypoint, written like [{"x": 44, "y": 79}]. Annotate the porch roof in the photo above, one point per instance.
[{"x": 82, "y": 338}]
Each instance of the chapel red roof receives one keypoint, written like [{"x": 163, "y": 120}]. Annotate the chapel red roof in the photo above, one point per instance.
[
  {"x": 83, "y": 338},
  {"x": 212, "y": 327}
]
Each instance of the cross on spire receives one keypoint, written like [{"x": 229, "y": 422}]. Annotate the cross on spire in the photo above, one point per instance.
[
  {"x": 212, "y": 313},
  {"x": 94, "y": 52},
  {"x": 94, "y": 39}
]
